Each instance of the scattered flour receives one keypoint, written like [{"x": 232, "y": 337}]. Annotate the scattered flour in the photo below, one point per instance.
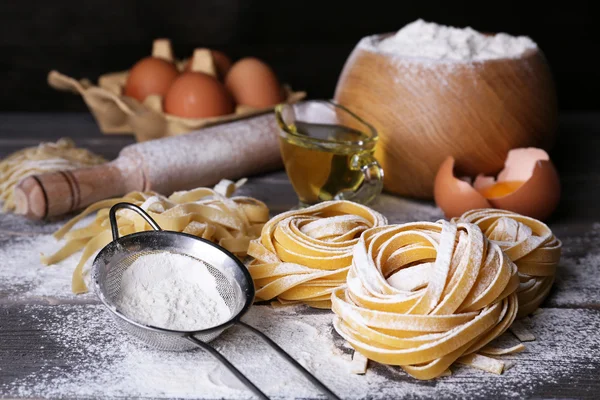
[
  {"x": 82, "y": 354},
  {"x": 171, "y": 291},
  {"x": 575, "y": 282},
  {"x": 431, "y": 41},
  {"x": 88, "y": 357},
  {"x": 23, "y": 276}
]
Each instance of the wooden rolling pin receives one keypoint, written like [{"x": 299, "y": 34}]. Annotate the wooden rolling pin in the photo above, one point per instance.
[{"x": 234, "y": 150}]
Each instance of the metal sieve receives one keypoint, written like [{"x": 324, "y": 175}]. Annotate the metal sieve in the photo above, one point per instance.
[{"x": 234, "y": 285}]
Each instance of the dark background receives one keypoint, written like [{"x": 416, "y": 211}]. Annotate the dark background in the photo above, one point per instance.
[{"x": 306, "y": 42}]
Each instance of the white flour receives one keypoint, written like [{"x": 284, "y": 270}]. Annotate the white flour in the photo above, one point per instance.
[
  {"x": 171, "y": 291},
  {"x": 431, "y": 41},
  {"x": 23, "y": 277},
  {"x": 89, "y": 357}
]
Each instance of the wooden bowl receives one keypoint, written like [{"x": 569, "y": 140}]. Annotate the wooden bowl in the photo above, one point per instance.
[{"x": 426, "y": 110}]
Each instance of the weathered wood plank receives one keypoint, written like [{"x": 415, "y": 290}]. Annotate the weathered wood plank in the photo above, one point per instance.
[
  {"x": 577, "y": 283},
  {"x": 108, "y": 148},
  {"x": 11, "y": 224},
  {"x": 19, "y": 130},
  {"x": 22, "y": 126},
  {"x": 574, "y": 154},
  {"x": 562, "y": 363},
  {"x": 76, "y": 351}
]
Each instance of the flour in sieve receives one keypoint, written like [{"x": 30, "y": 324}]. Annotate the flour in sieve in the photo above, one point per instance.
[{"x": 171, "y": 291}]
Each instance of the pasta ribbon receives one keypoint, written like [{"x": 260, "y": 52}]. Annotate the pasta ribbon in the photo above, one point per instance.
[
  {"x": 425, "y": 295},
  {"x": 46, "y": 157},
  {"x": 303, "y": 255},
  {"x": 210, "y": 214},
  {"x": 530, "y": 244}
]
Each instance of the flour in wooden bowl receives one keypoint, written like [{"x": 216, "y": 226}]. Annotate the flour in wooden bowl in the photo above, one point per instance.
[{"x": 427, "y": 40}]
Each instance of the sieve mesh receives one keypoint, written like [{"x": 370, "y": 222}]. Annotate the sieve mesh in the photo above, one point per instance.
[
  {"x": 233, "y": 284},
  {"x": 108, "y": 282}
]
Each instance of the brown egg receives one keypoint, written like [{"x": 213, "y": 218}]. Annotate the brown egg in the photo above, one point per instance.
[
  {"x": 221, "y": 60},
  {"x": 528, "y": 185},
  {"x": 253, "y": 83},
  {"x": 150, "y": 75},
  {"x": 197, "y": 95}
]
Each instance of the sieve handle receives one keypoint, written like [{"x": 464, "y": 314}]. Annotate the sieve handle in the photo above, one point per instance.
[
  {"x": 238, "y": 374},
  {"x": 112, "y": 216},
  {"x": 313, "y": 379}
]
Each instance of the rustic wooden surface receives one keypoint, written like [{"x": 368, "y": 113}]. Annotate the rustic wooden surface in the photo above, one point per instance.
[{"x": 562, "y": 363}]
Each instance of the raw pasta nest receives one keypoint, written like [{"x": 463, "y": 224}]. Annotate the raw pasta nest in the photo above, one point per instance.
[
  {"x": 424, "y": 295},
  {"x": 46, "y": 157},
  {"x": 302, "y": 255},
  {"x": 207, "y": 213},
  {"x": 530, "y": 244}
]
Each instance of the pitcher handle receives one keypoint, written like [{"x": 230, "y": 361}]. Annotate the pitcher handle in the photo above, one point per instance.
[{"x": 372, "y": 184}]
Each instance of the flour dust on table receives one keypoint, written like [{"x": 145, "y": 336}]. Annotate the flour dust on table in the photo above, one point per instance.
[
  {"x": 91, "y": 358},
  {"x": 24, "y": 277},
  {"x": 171, "y": 291}
]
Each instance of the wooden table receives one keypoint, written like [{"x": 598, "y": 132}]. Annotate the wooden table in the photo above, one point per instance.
[{"x": 54, "y": 344}]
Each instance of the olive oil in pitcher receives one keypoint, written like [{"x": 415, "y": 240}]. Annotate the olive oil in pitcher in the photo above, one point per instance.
[
  {"x": 318, "y": 159},
  {"x": 328, "y": 151}
]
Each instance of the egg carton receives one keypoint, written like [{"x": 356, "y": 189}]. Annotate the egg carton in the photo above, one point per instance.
[{"x": 119, "y": 114}]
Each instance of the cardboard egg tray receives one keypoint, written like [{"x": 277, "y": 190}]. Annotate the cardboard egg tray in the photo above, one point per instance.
[{"x": 119, "y": 114}]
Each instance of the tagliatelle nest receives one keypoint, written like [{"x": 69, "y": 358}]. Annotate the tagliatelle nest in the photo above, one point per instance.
[
  {"x": 530, "y": 244},
  {"x": 45, "y": 157},
  {"x": 425, "y": 295},
  {"x": 303, "y": 255},
  {"x": 212, "y": 214}
]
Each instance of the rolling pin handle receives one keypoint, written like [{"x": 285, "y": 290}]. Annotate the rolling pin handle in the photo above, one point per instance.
[
  {"x": 31, "y": 199},
  {"x": 56, "y": 193}
]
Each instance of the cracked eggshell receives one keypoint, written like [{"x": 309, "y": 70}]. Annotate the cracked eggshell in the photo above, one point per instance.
[
  {"x": 537, "y": 197},
  {"x": 455, "y": 196}
]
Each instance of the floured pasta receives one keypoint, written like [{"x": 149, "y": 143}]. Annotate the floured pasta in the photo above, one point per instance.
[
  {"x": 425, "y": 295},
  {"x": 530, "y": 244},
  {"x": 46, "y": 157},
  {"x": 302, "y": 255},
  {"x": 210, "y": 214}
]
